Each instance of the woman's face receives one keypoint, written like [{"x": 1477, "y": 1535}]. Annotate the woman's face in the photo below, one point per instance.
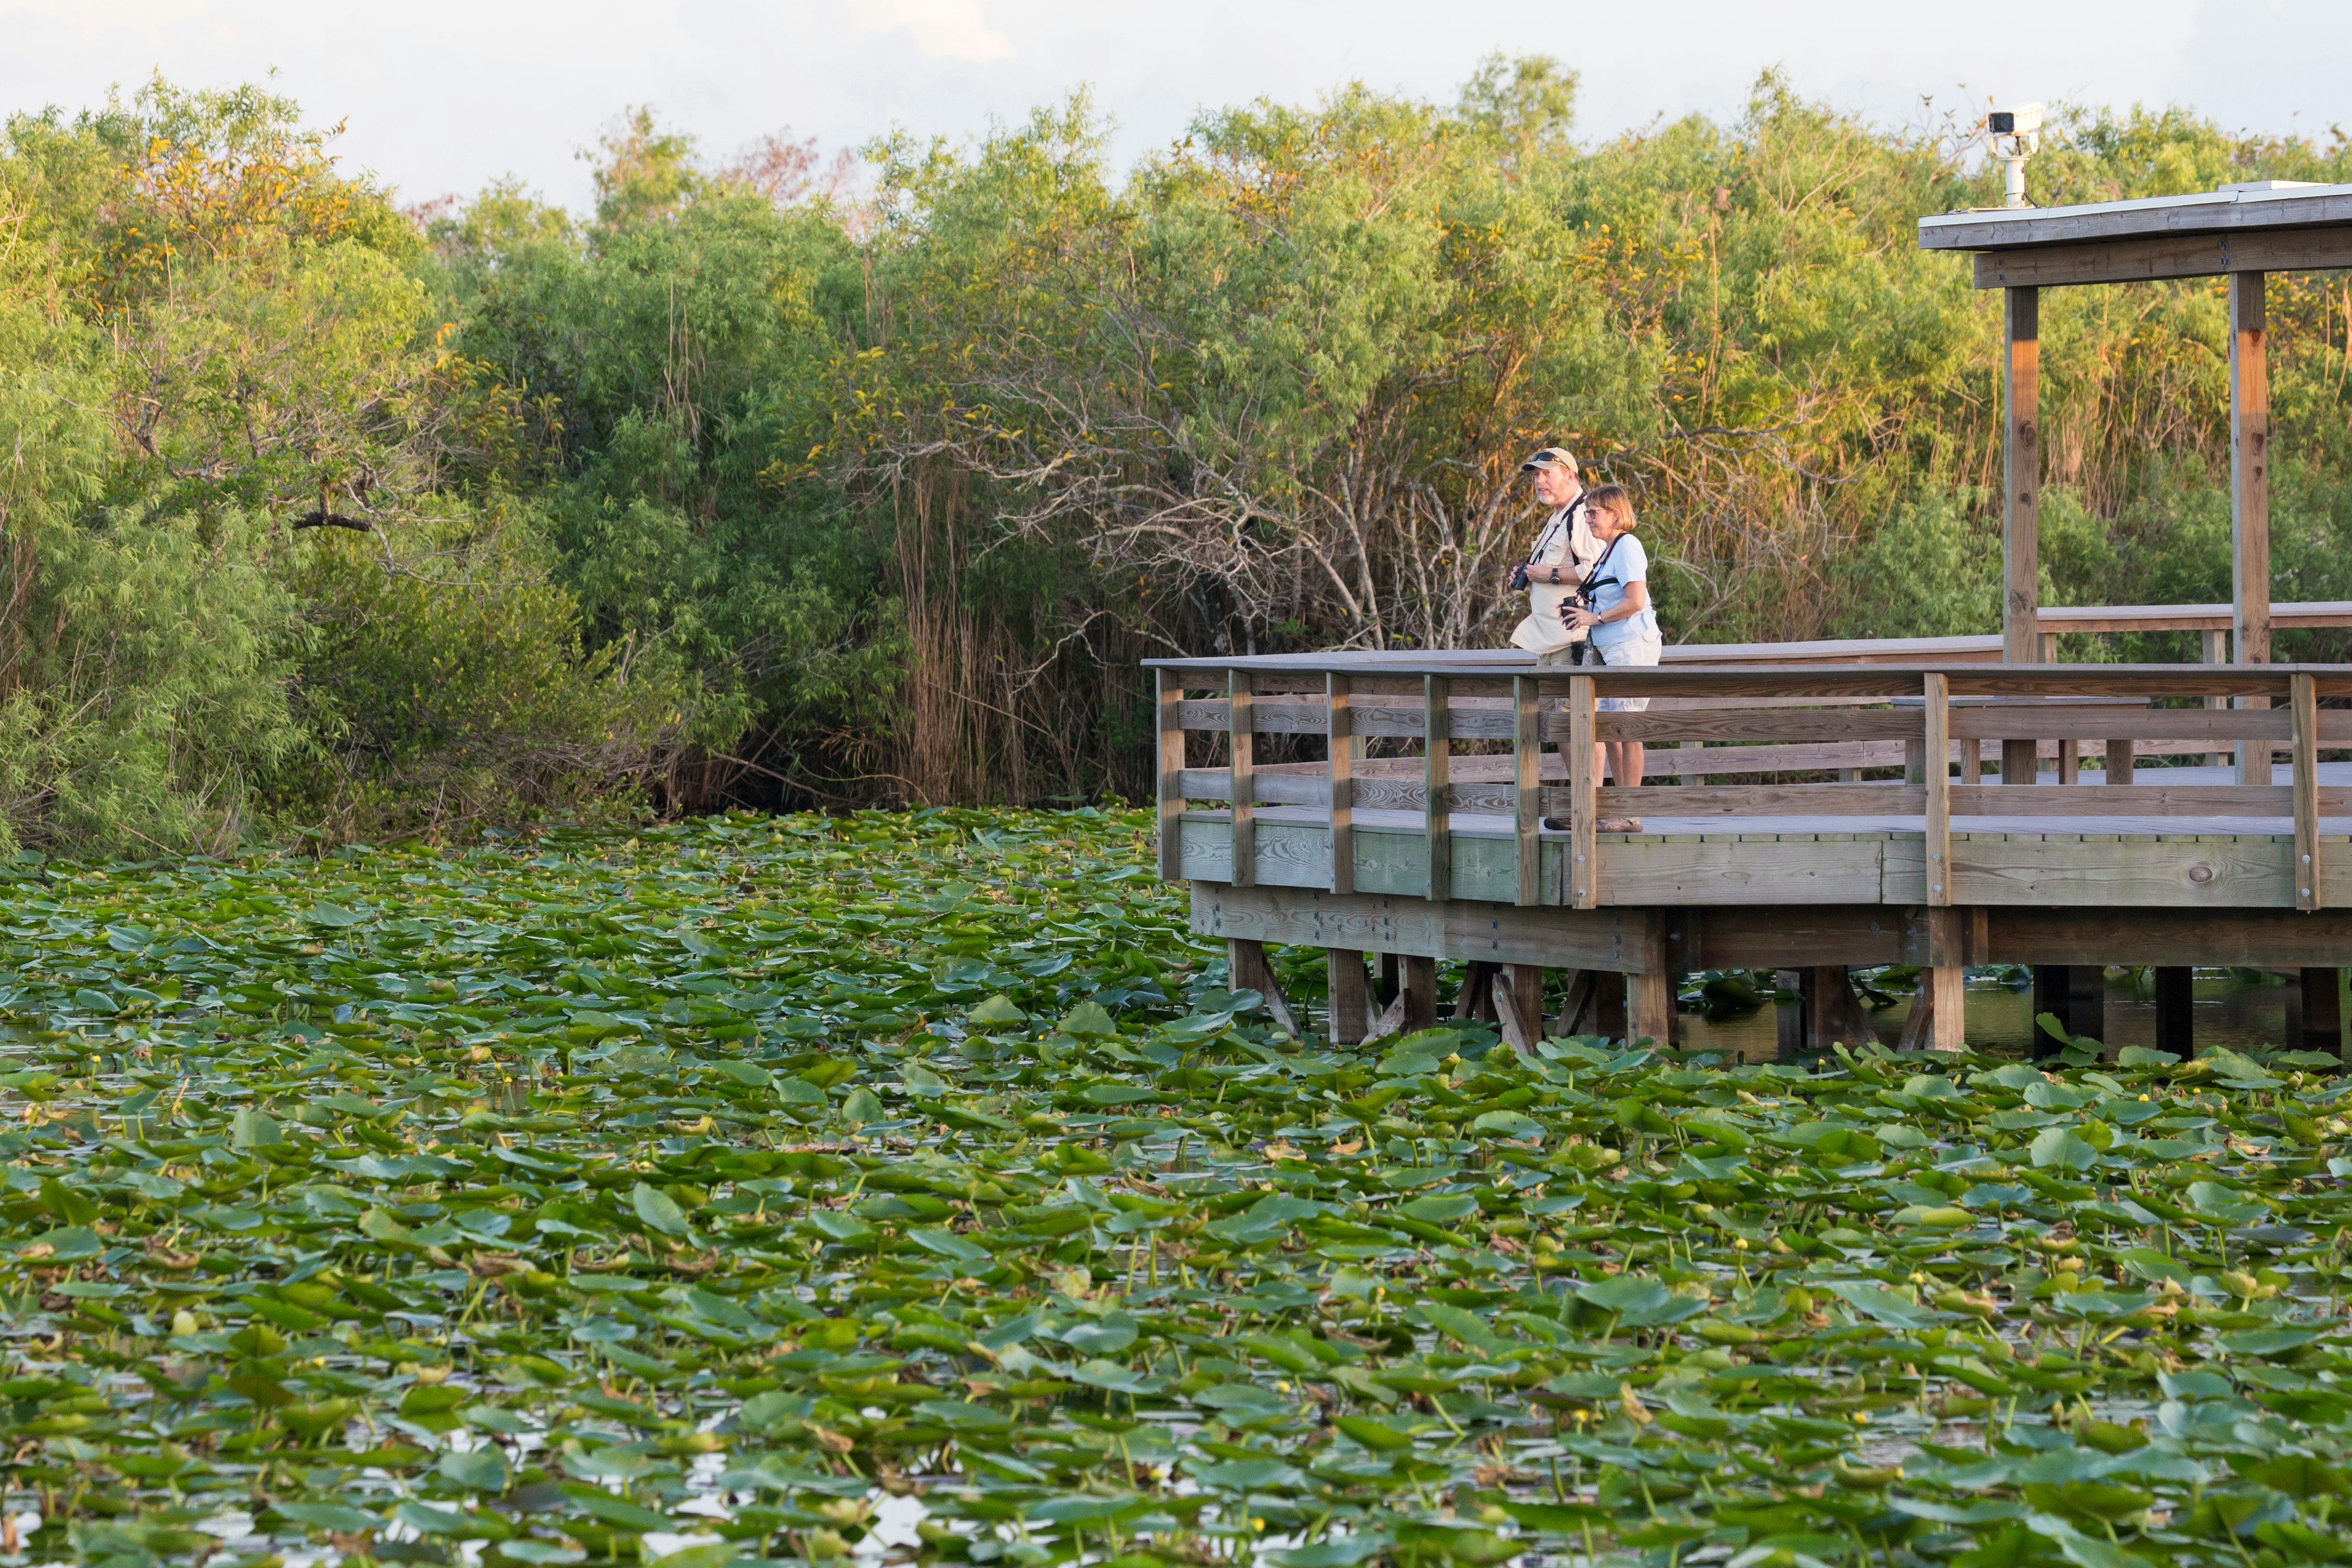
[{"x": 1606, "y": 523}]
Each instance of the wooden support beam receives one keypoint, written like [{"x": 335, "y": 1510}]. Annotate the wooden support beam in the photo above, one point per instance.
[
  {"x": 1352, "y": 1003},
  {"x": 1418, "y": 995},
  {"x": 2249, "y": 474},
  {"x": 1576, "y": 1004},
  {"x": 1526, "y": 794},
  {"x": 1386, "y": 980},
  {"x": 1650, "y": 1006},
  {"x": 2121, "y": 767},
  {"x": 2021, "y": 478},
  {"x": 1584, "y": 790},
  {"x": 1525, "y": 982},
  {"x": 1833, "y": 1014},
  {"x": 1338, "y": 697},
  {"x": 2322, "y": 1013},
  {"x": 1247, "y": 969},
  {"x": 1169, "y": 699},
  {"x": 1241, "y": 731},
  {"x": 1947, "y": 986},
  {"x": 2141, "y": 258},
  {"x": 1436, "y": 810},
  {"x": 2176, "y": 1002},
  {"x": 1939, "y": 1015},
  {"x": 1520, "y": 1020},
  {"x": 1475, "y": 999},
  {"x": 2303, "y": 701}
]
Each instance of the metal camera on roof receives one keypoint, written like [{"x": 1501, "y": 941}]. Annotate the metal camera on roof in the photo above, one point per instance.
[{"x": 2016, "y": 134}]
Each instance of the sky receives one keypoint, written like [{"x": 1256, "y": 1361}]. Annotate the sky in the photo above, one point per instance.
[{"x": 444, "y": 96}]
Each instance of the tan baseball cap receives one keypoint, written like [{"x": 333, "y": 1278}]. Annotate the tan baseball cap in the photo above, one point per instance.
[{"x": 1550, "y": 456}]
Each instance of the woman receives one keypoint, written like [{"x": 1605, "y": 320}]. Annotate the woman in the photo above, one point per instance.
[{"x": 1620, "y": 625}]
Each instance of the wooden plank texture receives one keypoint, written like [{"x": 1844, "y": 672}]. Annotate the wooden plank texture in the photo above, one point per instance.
[
  {"x": 2168, "y": 937},
  {"x": 1526, "y": 793},
  {"x": 2143, "y": 799},
  {"x": 1758, "y": 800},
  {"x": 1747, "y": 724},
  {"x": 1242, "y": 736},
  {"x": 2094, "y": 873},
  {"x": 1679, "y": 870},
  {"x": 2087, "y": 720},
  {"x": 1339, "y": 781},
  {"x": 1583, "y": 774},
  {"x": 2250, "y": 467},
  {"x": 1168, "y": 704},
  {"x": 2303, "y": 712},
  {"x": 1436, "y": 820},
  {"x": 2147, "y": 259},
  {"x": 2021, "y": 475},
  {"x": 1936, "y": 791},
  {"x": 1617, "y": 940}
]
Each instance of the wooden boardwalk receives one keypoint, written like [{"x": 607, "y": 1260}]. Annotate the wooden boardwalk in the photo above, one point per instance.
[{"x": 1792, "y": 819}]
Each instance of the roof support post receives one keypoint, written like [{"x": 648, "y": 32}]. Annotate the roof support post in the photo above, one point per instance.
[
  {"x": 2022, "y": 476},
  {"x": 2250, "y": 493}
]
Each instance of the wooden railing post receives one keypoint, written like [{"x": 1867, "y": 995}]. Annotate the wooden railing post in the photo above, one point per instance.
[
  {"x": 2217, "y": 651},
  {"x": 1583, "y": 797},
  {"x": 1526, "y": 793},
  {"x": 2304, "y": 698},
  {"x": 1437, "y": 805},
  {"x": 2022, "y": 482},
  {"x": 1168, "y": 694},
  {"x": 1241, "y": 719},
  {"x": 1340, "y": 701},
  {"x": 1936, "y": 712}
]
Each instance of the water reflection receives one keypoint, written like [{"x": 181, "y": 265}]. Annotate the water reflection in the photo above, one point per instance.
[{"x": 2240, "y": 1009}]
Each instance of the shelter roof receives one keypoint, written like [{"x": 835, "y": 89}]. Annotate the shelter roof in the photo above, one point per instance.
[
  {"x": 2240, "y": 208},
  {"x": 2267, "y": 225}
]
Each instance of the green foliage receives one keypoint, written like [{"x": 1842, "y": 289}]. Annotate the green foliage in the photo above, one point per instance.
[
  {"x": 746, "y": 485},
  {"x": 216, "y": 368},
  {"x": 456, "y": 690},
  {"x": 555, "y": 1193}
]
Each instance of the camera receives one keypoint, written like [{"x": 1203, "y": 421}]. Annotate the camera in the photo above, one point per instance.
[{"x": 2023, "y": 121}]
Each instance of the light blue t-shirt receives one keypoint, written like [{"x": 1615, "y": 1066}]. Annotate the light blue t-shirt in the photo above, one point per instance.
[{"x": 1626, "y": 562}]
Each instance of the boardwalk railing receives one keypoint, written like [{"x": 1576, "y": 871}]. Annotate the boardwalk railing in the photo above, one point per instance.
[{"x": 1797, "y": 784}]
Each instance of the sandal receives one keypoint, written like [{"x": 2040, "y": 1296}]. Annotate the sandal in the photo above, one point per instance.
[{"x": 1618, "y": 824}]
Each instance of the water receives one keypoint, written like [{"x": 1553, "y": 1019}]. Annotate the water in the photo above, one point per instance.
[{"x": 2242, "y": 1009}]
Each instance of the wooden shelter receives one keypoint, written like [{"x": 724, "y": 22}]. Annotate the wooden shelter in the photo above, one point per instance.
[{"x": 2242, "y": 232}]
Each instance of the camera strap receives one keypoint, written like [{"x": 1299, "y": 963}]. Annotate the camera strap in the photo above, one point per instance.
[
  {"x": 1593, "y": 578},
  {"x": 1565, "y": 521}
]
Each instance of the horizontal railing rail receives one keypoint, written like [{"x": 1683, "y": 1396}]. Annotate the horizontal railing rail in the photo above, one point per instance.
[{"x": 1482, "y": 750}]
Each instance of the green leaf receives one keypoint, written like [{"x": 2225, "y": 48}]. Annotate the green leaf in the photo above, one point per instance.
[
  {"x": 997, "y": 1009},
  {"x": 2063, "y": 1149},
  {"x": 657, "y": 1210},
  {"x": 480, "y": 1470}
]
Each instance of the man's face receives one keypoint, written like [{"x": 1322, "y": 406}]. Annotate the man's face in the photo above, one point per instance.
[{"x": 1555, "y": 484}]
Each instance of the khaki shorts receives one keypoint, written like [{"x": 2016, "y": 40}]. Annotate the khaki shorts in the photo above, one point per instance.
[{"x": 1633, "y": 651}]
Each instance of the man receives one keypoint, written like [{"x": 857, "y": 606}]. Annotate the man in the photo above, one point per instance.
[{"x": 1564, "y": 552}]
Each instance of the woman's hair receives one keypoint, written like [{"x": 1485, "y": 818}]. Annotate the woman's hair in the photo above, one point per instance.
[{"x": 1616, "y": 499}]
